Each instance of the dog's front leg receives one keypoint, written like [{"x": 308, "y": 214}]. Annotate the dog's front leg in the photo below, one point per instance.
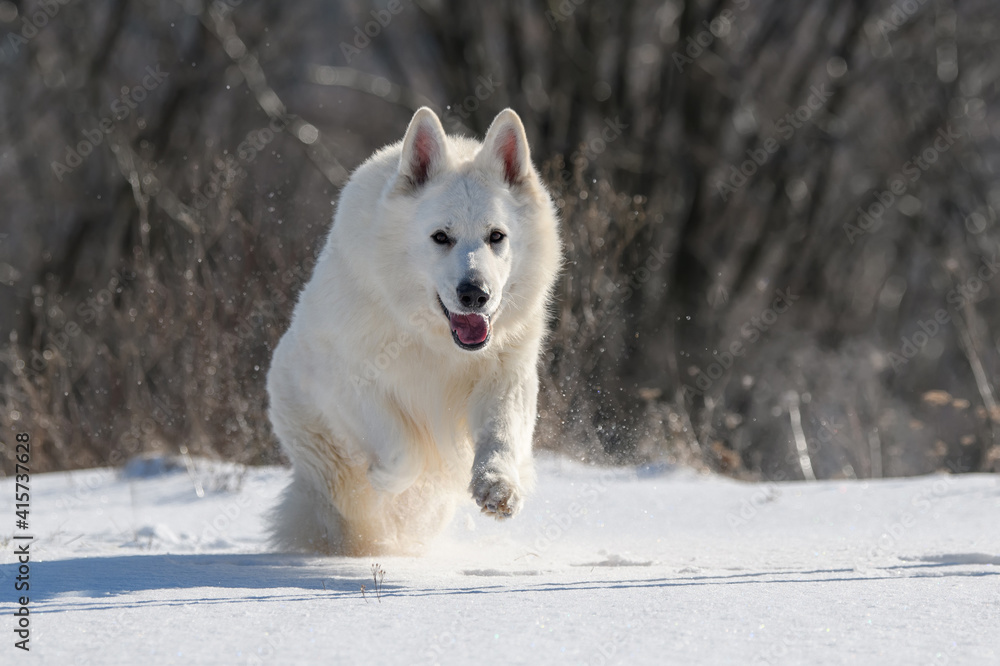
[
  {"x": 503, "y": 422},
  {"x": 393, "y": 462}
]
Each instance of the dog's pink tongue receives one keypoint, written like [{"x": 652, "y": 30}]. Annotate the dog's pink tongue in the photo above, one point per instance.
[{"x": 471, "y": 329}]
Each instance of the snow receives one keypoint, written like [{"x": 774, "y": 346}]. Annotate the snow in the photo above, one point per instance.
[{"x": 167, "y": 563}]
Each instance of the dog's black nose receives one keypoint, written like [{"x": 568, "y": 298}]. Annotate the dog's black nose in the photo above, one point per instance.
[{"x": 472, "y": 296}]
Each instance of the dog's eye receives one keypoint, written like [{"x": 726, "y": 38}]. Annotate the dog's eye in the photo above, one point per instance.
[
  {"x": 441, "y": 238},
  {"x": 496, "y": 237}
]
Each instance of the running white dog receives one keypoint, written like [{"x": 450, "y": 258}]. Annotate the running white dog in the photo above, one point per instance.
[{"x": 409, "y": 371}]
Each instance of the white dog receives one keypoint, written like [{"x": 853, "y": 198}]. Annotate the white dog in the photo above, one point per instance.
[{"x": 409, "y": 371}]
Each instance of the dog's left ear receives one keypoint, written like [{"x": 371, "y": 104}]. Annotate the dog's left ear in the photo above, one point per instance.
[{"x": 505, "y": 149}]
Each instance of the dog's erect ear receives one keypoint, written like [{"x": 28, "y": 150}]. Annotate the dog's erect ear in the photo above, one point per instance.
[
  {"x": 424, "y": 149},
  {"x": 505, "y": 148}
]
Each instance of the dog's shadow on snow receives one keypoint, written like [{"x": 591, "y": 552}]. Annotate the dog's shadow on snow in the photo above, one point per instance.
[
  {"x": 273, "y": 575},
  {"x": 287, "y": 577}
]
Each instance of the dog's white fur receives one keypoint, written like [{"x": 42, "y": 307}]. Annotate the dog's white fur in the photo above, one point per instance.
[{"x": 385, "y": 417}]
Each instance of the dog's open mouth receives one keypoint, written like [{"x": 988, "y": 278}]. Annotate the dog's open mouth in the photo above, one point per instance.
[{"x": 470, "y": 331}]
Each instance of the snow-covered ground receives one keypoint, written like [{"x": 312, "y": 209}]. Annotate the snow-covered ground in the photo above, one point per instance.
[{"x": 625, "y": 566}]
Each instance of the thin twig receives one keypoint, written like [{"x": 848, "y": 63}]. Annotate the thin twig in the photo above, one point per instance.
[
  {"x": 219, "y": 23},
  {"x": 801, "y": 445},
  {"x": 982, "y": 381},
  {"x": 968, "y": 345},
  {"x": 381, "y": 87},
  {"x": 378, "y": 575}
]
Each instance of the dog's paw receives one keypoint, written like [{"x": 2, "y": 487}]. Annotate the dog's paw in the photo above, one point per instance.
[{"x": 496, "y": 493}]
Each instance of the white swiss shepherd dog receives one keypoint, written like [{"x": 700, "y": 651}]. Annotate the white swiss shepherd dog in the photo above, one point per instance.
[{"x": 409, "y": 372}]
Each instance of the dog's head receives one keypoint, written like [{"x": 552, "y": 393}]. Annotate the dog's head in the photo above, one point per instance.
[{"x": 479, "y": 227}]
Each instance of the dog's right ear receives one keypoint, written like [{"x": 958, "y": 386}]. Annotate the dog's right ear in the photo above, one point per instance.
[{"x": 425, "y": 150}]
